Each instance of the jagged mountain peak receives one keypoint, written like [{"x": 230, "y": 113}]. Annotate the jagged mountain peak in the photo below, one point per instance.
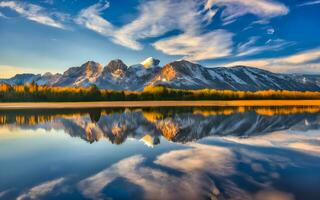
[
  {"x": 25, "y": 75},
  {"x": 47, "y": 74},
  {"x": 89, "y": 68},
  {"x": 183, "y": 65},
  {"x": 91, "y": 63},
  {"x": 150, "y": 62},
  {"x": 115, "y": 65},
  {"x": 93, "y": 68},
  {"x": 84, "y": 75},
  {"x": 180, "y": 74},
  {"x": 179, "y": 68},
  {"x": 117, "y": 68}
]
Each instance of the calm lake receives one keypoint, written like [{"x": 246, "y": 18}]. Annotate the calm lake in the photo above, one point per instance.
[{"x": 263, "y": 153}]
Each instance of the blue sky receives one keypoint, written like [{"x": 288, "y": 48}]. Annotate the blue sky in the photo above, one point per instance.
[{"x": 52, "y": 35}]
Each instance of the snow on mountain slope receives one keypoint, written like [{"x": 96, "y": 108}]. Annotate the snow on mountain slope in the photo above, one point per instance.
[
  {"x": 19, "y": 79},
  {"x": 118, "y": 76},
  {"x": 186, "y": 75},
  {"x": 184, "y": 126},
  {"x": 150, "y": 62},
  {"x": 253, "y": 79},
  {"x": 49, "y": 79},
  {"x": 181, "y": 74},
  {"x": 85, "y": 75},
  {"x": 113, "y": 76}
]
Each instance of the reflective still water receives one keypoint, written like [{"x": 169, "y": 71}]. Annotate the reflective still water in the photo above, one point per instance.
[{"x": 161, "y": 153}]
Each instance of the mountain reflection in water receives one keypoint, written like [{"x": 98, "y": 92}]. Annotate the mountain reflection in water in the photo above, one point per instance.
[
  {"x": 175, "y": 124},
  {"x": 199, "y": 153}
]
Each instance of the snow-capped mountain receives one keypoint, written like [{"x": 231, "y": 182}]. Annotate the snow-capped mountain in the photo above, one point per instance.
[
  {"x": 182, "y": 74},
  {"x": 85, "y": 75},
  {"x": 118, "y": 76},
  {"x": 186, "y": 75},
  {"x": 150, "y": 62},
  {"x": 20, "y": 79},
  {"x": 148, "y": 126}
]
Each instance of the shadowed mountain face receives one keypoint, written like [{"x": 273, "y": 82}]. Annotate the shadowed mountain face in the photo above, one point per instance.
[
  {"x": 182, "y": 74},
  {"x": 174, "y": 124}
]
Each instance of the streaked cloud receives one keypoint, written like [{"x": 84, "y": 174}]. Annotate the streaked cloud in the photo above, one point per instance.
[
  {"x": 304, "y": 57},
  {"x": 237, "y": 8},
  {"x": 50, "y": 2},
  {"x": 249, "y": 47},
  {"x": 33, "y": 12},
  {"x": 158, "y": 17},
  {"x": 283, "y": 139},
  {"x": 210, "y": 45},
  {"x": 272, "y": 194},
  {"x": 197, "y": 160},
  {"x": 307, "y": 61},
  {"x": 91, "y": 19},
  {"x": 310, "y": 3},
  {"x": 155, "y": 19},
  {"x": 3, "y": 16},
  {"x": 41, "y": 190},
  {"x": 198, "y": 167},
  {"x": 188, "y": 20},
  {"x": 270, "y": 31}
]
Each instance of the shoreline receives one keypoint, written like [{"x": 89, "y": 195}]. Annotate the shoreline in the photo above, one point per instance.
[{"x": 112, "y": 104}]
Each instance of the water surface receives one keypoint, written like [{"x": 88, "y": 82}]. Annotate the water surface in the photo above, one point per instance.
[{"x": 161, "y": 153}]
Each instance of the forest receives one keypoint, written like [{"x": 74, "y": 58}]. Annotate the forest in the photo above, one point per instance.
[{"x": 35, "y": 93}]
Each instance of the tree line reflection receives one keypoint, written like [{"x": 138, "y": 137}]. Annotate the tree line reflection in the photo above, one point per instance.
[{"x": 176, "y": 124}]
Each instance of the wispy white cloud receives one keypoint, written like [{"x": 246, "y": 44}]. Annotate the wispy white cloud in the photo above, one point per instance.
[
  {"x": 249, "y": 47},
  {"x": 50, "y": 2},
  {"x": 155, "y": 19},
  {"x": 270, "y": 31},
  {"x": 91, "y": 19},
  {"x": 232, "y": 9},
  {"x": 3, "y": 16},
  {"x": 133, "y": 169},
  {"x": 261, "y": 21},
  {"x": 199, "y": 166},
  {"x": 283, "y": 139},
  {"x": 210, "y": 45},
  {"x": 41, "y": 190},
  {"x": 310, "y": 3},
  {"x": 33, "y": 12},
  {"x": 158, "y": 17},
  {"x": 307, "y": 61},
  {"x": 303, "y": 57},
  {"x": 243, "y": 47},
  {"x": 209, "y": 14}
]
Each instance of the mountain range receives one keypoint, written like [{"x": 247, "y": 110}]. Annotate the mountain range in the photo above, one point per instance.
[
  {"x": 181, "y": 126},
  {"x": 181, "y": 74}
]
